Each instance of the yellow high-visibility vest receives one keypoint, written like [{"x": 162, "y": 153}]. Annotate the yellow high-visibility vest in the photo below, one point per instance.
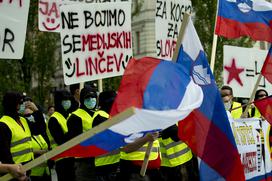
[
  {"x": 38, "y": 143},
  {"x": 63, "y": 123},
  {"x": 140, "y": 153},
  {"x": 174, "y": 153},
  {"x": 237, "y": 113},
  {"x": 87, "y": 119},
  {"x": 21, "y": 147},
  {"x": 109, "y": 158}
]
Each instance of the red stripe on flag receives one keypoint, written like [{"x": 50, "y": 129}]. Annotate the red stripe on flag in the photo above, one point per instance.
[
  {"x": 81, "y": 152},
  {"x": 265, "y": 108},
  {"x": 211, "y": 145},
  {"x": 133, "y": 84},
  {"x": 234, "y": 29}
]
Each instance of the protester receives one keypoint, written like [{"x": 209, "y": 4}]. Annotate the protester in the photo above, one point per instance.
[
  {"x": 227, "y": 97},
  {"x": 50, "y": 111},
  {"x": 15, "y": 170},
  {"x": 15, "y": 135},
  {"x": 40, "y": 146},
  {"x": 132, "y": 157},
  {"x": 75, "y": 91},
  {"x": 57, "y": 133},
  {"x": 260, "y": 94},
  {"x": 177, "y": 161},
  {"x": 81, "y": 120},
  {"x": 107, "y": 166}
]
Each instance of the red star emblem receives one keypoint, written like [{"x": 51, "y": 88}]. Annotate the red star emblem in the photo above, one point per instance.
[{"x": 234, "y": 72}]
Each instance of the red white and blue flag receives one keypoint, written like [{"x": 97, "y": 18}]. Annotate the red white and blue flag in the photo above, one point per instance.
[
  {"x": 251, "y": 18},
  {"x": 207, "y": 130},
  {"x": 162, "y": 92}
]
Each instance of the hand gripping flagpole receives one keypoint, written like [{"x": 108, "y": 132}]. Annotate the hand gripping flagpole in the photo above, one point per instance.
[
  {"x": 174, "y": 59},
  {"x": 76, "y": 140}
]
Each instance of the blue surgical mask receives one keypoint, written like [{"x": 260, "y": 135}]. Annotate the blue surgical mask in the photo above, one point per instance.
[
  {"x": 21, "y": 109},
  {"x": 66, "y": 104},
  {"x": 90, "y": 103}
]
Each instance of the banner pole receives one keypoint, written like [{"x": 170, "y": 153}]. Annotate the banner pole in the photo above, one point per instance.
[
  {"x": 244, "y": 115},
  {"x": 76, "y": 140},
  {"x": 100, "y": 85},
  {"x": 174, "y": 59},
  {"x": 181, "y": 36},
  {"x": 214, "y": 46},
  {"x": 146, "y": 159}
]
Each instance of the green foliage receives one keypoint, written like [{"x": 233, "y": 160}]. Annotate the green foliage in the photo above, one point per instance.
[
  {"x": 38, "y": 64},
  {"x": 204, "y": 21}
]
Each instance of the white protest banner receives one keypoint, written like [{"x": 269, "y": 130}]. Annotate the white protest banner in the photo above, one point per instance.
[
  {"x": 168, "y": 19},
  {"x": 13, "y": 23},
  {"x": 95, "y": 40},
  {"x": 49, "y": 15},
  {"x": 241, "y": 68},
  {"x": 268, "y": 164},
  {"x": 49, "y": 12},
  {"x": 248, "y": 136}
]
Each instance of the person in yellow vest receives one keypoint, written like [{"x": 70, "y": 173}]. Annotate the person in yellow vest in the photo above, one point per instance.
[
  {"x": 37, "y": 125},
  {"x": 132, "y": 157},
  {"x": 227, "y": 97},
  {"x": 260, "y": 94},
  {"x": 57, "y": 126},
  {"x": 107, "y": 166},
  {"x": 15, "y": 135},
  {"x": 14, "y": 169},
  {"x": 177, "y": 161},
  {"x": 81, "y": 120}
]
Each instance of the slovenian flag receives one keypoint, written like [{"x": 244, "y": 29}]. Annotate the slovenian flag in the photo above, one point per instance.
[
  {"x": 207, "y": 130},
  {"x": 162, "y": 93},
  {"x": 251, "y": 18}
]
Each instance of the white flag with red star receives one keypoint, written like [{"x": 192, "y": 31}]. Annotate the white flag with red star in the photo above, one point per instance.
[{"x": 241, "y": 68}]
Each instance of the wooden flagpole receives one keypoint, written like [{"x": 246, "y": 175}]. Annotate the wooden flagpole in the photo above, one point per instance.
[
  {"x": 244, "y": 115},
  {"x": 71, "y": 143},
  {"x": 214, "y": 45},
  {"x": 174, "y": 59}
]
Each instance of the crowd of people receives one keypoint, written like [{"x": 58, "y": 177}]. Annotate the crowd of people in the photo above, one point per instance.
[{"x": 26, "y": 133}]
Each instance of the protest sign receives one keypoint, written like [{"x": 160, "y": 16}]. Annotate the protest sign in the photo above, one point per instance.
[
  {"x": 49, "y": 15},
  {"x": 95, "y": 40},
  {"x": 49, "y": 12},
  {"x": 13, "y": 18},
  {"x": 241, "y": 68},
  {"x": 251, "y": 143},
  {"x": 168, "y": 19}
]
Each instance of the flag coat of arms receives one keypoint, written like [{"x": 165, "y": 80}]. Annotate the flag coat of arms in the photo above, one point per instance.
[{"x": 207, "y": 130}]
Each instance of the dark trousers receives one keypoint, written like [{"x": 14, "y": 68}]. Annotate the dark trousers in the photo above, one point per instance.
[
  {"x": 131, "y": 172},
  {"x": 84, "y": 169},
  {"x": 65, "y": 169},
  {"x": 185, "y": 172}
]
